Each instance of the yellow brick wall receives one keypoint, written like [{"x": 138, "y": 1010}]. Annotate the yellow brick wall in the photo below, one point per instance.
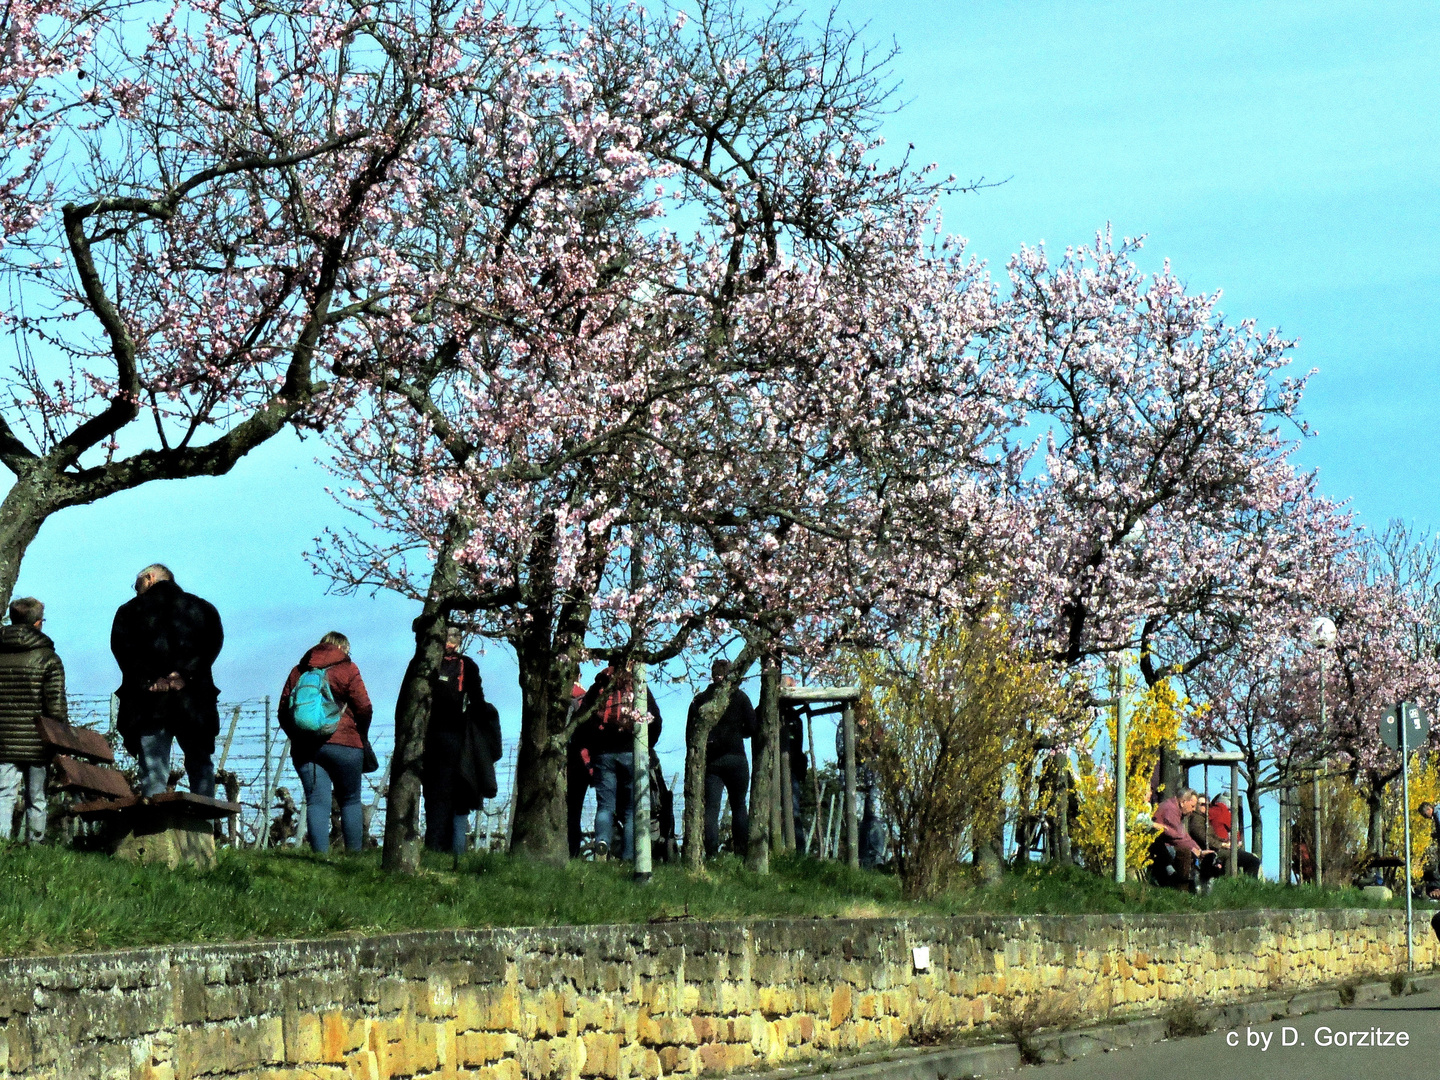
[{"x": 617, "y": 1002}]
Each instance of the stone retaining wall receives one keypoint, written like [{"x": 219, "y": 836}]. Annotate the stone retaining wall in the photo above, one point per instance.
[{"x": 631, "y": 1001}]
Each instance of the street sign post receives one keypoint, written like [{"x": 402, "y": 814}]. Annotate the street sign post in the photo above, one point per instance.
[
  {"x": 1417, "y": 726},
  {"x": 1401, "y": 727}
]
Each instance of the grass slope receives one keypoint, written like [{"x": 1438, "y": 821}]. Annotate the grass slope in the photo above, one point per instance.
[{"x": 54, "y": 900}]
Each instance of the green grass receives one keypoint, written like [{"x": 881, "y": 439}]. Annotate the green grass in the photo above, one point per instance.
[{"x": 55, "y": 900}]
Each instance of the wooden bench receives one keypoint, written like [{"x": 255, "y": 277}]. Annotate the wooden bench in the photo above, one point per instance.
[{"x": 173, "y": 827}]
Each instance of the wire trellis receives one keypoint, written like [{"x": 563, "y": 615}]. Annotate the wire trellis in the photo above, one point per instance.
[{"x": 253, "y": 767}]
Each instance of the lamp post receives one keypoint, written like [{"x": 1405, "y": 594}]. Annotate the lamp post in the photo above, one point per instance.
[
  {"x": 1120, "y": 775},
  {"x": 1322, "y": 637},
  {"x": 1128, "y": 542}
]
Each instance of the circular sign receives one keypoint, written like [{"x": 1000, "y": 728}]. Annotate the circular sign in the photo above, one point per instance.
[{"x": 1390, "y": 727}]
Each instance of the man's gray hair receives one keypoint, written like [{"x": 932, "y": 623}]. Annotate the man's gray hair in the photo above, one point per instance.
[
  {"x": 159, "y": 571},
  {"x": 1187, "y": 793}
]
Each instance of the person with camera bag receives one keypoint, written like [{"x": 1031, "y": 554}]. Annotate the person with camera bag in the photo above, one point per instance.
[{"x": 612, "y": 742}]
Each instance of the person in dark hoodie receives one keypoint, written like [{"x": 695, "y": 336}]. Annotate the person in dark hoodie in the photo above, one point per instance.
[
  {"x": 462, "y": 744},
  {"x": 792, "y": 745},
  {"x": 329, "y": 763},
  {"x": 32, "y": 683},
  {"x": 726, "y": 768},
  {"x": 579, "y": 773},
  {"x": 165, "y": 641}
]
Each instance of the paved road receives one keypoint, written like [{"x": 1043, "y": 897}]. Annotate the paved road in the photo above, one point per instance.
[{"x": 1262, "y": 1055}]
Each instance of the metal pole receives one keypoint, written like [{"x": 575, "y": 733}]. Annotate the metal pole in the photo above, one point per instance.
[
  {"x": 229, "y": 737},
  {"x": 852, "y": 811},
  {"x": 262, "y": 837},
  {"x": 815, "y": 782},
  {"x": 641, "y": 771},
  {"x": 1404, "y": 719},
  {"x": 270, "y": 794},
  {"x": 1120, "y": 777},
  {"x": 1235, "y": 834},
  {"x": 1319, "y": 804}
]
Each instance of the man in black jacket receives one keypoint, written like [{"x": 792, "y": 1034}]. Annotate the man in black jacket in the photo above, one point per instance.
[
  {"x": 32, "y": 683},
  {"x": 726, "y": 769},
  {"x": 165, "y": 641}
]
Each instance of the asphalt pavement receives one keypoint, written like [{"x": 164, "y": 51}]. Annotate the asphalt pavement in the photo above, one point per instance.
[{"x": 1363, "y": 1042}]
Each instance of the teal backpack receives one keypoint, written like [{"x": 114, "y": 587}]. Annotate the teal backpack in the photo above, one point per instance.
[{"x": 313, "y": 706}]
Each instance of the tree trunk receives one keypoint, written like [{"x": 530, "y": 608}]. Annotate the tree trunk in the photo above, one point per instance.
[
  {"x": 1375, "y": 821},
  {"x": 540, "y": 783},
  {"x": 696, "y": 732},
  {"x": 762, "y": 778},
  {"x": 22, "y": 512},
  {"x": 990, "y": 852},
  {"x": 403, "y": 839},
  {"x": 1172, "y": 777},
  {"x": 1257, "y": 827}
]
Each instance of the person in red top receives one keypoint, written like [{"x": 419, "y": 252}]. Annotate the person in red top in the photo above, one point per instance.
[
  {"x": 335, "y": 763},
  {"x": 1220, "y": 826}
]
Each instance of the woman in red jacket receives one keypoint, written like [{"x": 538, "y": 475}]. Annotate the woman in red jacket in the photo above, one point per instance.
[{"x": 336, "y": 759}]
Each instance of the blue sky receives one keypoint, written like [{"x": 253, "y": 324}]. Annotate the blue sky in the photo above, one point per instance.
[{"x": 1286, "y": 152}]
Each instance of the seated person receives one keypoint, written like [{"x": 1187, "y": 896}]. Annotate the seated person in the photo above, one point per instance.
[
  {"x": 1429, "y": 887},
  {"x": 1197, "y": 823},
  {"x": 1175, "y": 852},
  {"x": 1220, "y": 824}
]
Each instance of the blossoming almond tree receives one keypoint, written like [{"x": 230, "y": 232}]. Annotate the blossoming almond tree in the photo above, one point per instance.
[
  {"x": 191, "y": 232},
  {"x": 581, "y": 371},
  {"x": 1263, "y": 698},
  {"x": 1163, "y": 423},
  {"x": 40, "y": 43},
  {"x": 864, "y": 479}
]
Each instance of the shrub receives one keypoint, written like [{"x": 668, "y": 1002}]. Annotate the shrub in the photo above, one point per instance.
[
  {"x": 940, "y": 727},
  {"x": 1155, "y": 722}
]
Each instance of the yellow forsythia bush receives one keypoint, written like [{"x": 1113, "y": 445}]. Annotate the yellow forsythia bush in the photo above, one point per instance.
[
  {"x": 1154, "y": 721},
  {"x": 1424, "y": 787}
]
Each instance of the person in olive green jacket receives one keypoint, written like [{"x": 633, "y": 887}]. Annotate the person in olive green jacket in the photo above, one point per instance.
[{"x": 32, "y": 683}]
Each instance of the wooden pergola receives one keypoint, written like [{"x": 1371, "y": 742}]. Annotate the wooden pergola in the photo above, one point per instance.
[
  {"x": 839, "y": 699},
  {"x": 1222, "y": 757}
]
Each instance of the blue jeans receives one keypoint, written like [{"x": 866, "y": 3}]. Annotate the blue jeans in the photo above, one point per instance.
[
  {"x": 612, "y": 795},
  {"x": 338, "y": 766},
  {"x": 445, "y": 830},
  {"x": 27, "y": 781},
  {"x": 152, "y": 761}
]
